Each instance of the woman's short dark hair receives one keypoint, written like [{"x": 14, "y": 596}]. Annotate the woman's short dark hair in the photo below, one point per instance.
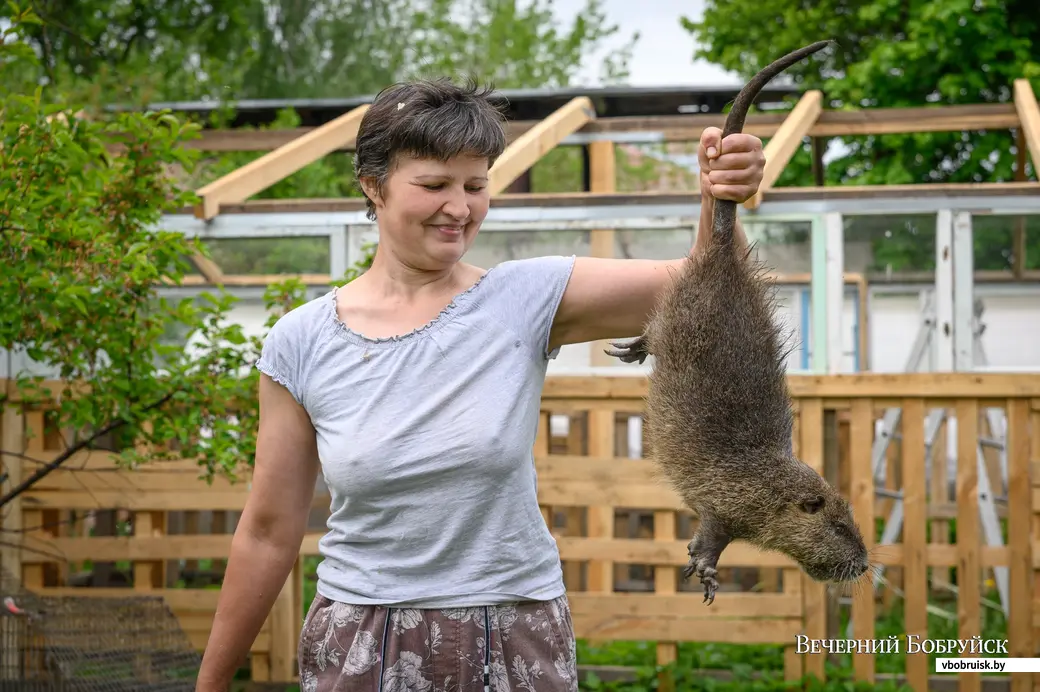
[{"x": 431, "y": 119}]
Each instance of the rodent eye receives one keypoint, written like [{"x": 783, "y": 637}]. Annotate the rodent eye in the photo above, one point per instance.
[{"x": 813, "y": 504}]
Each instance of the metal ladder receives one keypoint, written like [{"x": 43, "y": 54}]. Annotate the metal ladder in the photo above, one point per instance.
[{"x": 933, "y": 423}]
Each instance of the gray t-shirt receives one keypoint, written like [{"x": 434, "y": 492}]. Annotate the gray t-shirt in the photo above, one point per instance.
[{"x": 426, "y": 443}]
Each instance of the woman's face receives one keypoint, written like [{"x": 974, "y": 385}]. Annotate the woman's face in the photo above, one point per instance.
[{"x": 430, "y": 211}]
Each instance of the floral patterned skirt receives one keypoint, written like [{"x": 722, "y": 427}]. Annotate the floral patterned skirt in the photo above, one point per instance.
[{"x": 354, "y": 648}]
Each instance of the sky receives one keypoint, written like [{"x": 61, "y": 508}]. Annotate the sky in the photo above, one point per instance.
[{"x": 663, "y": 55}]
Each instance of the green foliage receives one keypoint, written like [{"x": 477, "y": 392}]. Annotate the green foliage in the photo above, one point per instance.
[
  {"x": 893, "y": 54},
  {"x": 890, "y": 54},
  {"x": 83, "y": 268},
  {"x": 515, "y": 46},
  {"x": 100, "y": 51},
  {"x": 85, "y": 265},
  {"x": 105, "y": 51}
]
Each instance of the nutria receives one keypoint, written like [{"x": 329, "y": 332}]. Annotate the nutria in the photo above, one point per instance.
[{"x": 719, "y": 412}]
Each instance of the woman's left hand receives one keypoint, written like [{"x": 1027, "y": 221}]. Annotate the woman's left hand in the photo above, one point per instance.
[{"x": 732, "y": 168}]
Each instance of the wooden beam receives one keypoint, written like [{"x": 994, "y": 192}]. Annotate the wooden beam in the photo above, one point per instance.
[
  {"x": 602, "y": 178},
  {"x": 209, "y": 269},
  {"x": 688, "y": 127},
  {"x": 798, "y": 279},
  {"x": 788, "y": 138},
  {"x": 1029, "y": 116},
  {"x": 267, "y": 170},
  {"x": 942, "y": 387},
  {"x": 566, "y": 199},
  {"x": 526, "y": 149}
]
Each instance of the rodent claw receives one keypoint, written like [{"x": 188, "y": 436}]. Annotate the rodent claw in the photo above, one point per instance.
[
  {"x": 706, "y": 573},
  {"x": 634, "y": 350},
  {"x": 710, "y": 586}
]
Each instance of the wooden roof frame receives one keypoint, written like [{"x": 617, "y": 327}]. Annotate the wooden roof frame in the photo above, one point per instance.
[
  {"x": 290, "y": 150},
  {"x": 256, "y": 176},
  {"x": 235, "y": 187},
  {"x": 1029, "y": 118}
]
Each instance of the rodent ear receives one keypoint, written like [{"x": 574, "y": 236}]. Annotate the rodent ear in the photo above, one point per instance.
[{"x": 813, "y": 504}]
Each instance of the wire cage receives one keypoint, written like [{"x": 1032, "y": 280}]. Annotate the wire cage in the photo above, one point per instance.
[{"x": 91, "y": 644}]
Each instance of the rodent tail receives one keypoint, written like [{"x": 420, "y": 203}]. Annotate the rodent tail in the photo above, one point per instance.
[{"x": 724, "y": 217}]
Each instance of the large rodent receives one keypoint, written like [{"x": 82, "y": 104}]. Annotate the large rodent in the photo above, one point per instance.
[{"x": 719, "y": 412}]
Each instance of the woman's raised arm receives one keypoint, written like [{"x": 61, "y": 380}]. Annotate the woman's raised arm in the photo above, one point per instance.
[{"x": 613, "y": 298}]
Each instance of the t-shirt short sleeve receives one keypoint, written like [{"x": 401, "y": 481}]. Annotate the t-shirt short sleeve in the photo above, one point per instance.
[
  {"x": 531, "y": 290},
  {"x": 281, "y": 356}
]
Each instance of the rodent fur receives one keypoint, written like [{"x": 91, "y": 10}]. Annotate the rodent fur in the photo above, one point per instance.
[{"x": 718, "y": 409}]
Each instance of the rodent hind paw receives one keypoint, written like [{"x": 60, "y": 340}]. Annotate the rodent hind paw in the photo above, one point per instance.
[
  {"x": 634, "y": 350},
  {"x": 704, "y": 550},
  {"x": 706, "y": 574}
]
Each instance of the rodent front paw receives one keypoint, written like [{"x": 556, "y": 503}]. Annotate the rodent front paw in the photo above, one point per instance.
[{"x": 634, "y": 350}]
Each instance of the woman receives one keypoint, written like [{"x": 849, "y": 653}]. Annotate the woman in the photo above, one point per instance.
[{"x": 415, "y": 390}]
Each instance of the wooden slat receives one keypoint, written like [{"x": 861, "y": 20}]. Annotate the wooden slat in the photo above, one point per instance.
[
  {"x": 203, "y": 600},
  {"x": 129, "y": 499},
  {"x": 261, "y": 173},
  {"x": 210, "y": 270},
  {"x": 607, "y": 625},
  {"x": 588, "y": 199},
  {"x": 526, "y": 149},
  {"x": 969, "y": 615},
  {"x": 548, "y": 200},
  {"x": 598, "y": 240},
  {"x": 1029, "y": 115},
  {"x": 915, "y": 538},
  {"x": 862, "y": 474},
  {"x": 600, "y": 519},
  {"x": 814, "y": 596},
  {"x": 787, "y": 141},
  {"x": 136, "y": 482},
  {"x": 1034, "y": 454},
  {"x": 688, "y": 127},
  {"x": 576, "y": 548},
  {"x": 1020, "y": 511},
  {"x": 602, "y": 178},
  {"x": 688, "y": 606},
  {"x": 883, "y": 386}
]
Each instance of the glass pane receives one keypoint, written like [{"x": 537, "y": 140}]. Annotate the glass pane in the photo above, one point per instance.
[
  {"x": 493, "y": 247},
  {"x": 287, "y": 255},
  {"x": 890, "y": 245}
]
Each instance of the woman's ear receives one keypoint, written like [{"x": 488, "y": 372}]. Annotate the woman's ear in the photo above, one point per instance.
[{"x": 371, "y": 189}]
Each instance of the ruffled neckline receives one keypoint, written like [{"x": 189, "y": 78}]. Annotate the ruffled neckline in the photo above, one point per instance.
[{"x": 442, "y": 318}]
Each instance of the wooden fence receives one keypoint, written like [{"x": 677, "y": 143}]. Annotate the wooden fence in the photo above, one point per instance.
[{"x": 622, "y": 534}]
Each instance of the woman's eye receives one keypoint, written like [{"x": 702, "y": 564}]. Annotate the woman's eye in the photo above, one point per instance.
[{"x": 434, "y": 187}]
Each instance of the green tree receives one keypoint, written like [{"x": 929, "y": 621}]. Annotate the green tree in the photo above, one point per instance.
[
  {"x": 101, "y": 52},
  {"x": 131, "y": 52},
  {"x": 84, "y": 267},
  {"x": 515, "y": 46},
  {"x": 891, "y": 54},
  {"x": 894, "y": 54}
]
